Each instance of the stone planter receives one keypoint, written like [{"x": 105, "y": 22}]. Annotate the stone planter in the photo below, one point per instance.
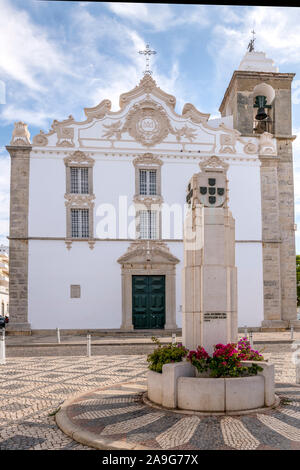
[
  {"x": 222, "y": 394},
  {"x": 155, "y": 381},
  {"x": 178, "y": 387}
]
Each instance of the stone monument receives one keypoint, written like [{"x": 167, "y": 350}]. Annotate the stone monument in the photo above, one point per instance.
[
  {"x": 209, "y": 273},
  {"x": 210, "y": 309}
]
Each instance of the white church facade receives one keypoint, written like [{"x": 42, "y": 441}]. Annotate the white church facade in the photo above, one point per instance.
[{"x": 97, "y": 207}]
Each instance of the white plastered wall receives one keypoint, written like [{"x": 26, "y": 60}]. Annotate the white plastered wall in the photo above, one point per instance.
[{"x": 53, "y": 268}]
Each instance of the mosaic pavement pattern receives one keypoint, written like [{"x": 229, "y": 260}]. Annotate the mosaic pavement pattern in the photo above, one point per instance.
[
  {"x": 32, "y": 389},
  {"x": 119, "y": 414}
]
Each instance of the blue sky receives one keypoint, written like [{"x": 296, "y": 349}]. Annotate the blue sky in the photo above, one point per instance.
[{"x": 58, "y": 57}]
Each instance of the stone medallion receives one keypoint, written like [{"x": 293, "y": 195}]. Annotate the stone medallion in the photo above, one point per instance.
[{"x": 148, "y": 123}]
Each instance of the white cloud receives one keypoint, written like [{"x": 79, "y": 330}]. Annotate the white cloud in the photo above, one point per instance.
[
  {"x": 32, "y": 117},
  {"x": 277, "y": 34},
  {"x": 25, "y": 49},
  {"x": 161, "y": 16}
]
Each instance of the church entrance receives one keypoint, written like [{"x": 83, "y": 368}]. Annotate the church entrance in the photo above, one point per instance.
[{"x": 148, "y": 302}]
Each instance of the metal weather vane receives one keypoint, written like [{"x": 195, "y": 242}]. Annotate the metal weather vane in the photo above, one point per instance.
[
  {"x": 147, "y": 53},
  {"x": 250, "y": 46}
]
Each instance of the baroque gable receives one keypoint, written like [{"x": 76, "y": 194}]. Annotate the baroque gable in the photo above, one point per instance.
[{"x": 146, "y": 120}]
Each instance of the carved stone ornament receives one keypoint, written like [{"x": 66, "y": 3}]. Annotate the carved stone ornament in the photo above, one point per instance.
[
  {"x": 79, "y": 200},
  {"x": 69, "y": 241},
  {"x": 149, "y": 202},
  {"x": 65, "y": 137},
  {"x": 147, "y": 85},
  {"x": 214, "y": 163},
  {"x": 56, "y": 124},
  {"x": 148, "y": 123},
  {"x": 99, "y": 111},
  {"x": 148, "y": 251},
  {"x": 79, "y": 158},
  {"x": 113, "y": 130},
  {"x": 266, "y": 145},
  {"x": 40, "y": 140},
  {"x": 20, "y": 135},
  {"x": 189, "y": 110},
  {"x": 227, "y": 142},
  {"x": 148, "y": 159},
  {"x": 250, "y": 148}
]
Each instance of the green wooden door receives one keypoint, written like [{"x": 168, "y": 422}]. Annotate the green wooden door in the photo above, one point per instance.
[{"x": 148, "y": 302}]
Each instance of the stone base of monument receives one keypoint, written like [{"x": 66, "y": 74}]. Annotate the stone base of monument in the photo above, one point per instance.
[{"x": 181, "y": 388}]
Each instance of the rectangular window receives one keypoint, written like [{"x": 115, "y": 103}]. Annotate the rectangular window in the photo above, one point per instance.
[
  {"x": 75, "y": 291},
  {"x": 79, "y": 180},
  {"x": 148, "y": 225},
  {"x": 80, "y": 223},
  {"x": 148, "y": 182}
]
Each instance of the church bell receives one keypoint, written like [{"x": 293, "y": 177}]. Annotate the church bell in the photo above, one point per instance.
[{"x": 261, "y": 104}]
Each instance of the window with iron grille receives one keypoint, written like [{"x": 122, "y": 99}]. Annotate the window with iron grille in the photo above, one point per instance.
[
  {"x": 148, "y": 225},
  {"x": 148, "y": 182},
  {"x": 80, "y": 223},
  {"x": 79, "y": 180}
]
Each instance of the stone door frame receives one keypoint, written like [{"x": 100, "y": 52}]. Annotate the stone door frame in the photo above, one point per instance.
[{"x": 145, "y": 261}]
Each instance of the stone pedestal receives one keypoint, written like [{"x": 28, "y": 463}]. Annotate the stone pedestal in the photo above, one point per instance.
[{"x": 209, "y": 273}]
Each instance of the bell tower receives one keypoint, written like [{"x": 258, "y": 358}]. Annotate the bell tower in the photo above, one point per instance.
[{"x": 259, "y": 100}]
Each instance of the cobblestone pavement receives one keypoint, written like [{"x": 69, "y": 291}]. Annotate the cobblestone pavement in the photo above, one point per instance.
[{"x": 32, "y": 389}]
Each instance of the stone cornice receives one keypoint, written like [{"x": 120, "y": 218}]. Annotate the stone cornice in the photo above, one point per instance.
[
  {"x": 165, "y": 240},
  {"x": 275, "y": 136},
  {"x": 271, "y": 157},
  {"x": 176, "y": 154},
  {"x": 11, "y": 148}
]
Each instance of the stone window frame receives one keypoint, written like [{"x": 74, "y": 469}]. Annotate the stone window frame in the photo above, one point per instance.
[
  {"x": 79, "y": 159},
  {"x": 148, "y": 161}
]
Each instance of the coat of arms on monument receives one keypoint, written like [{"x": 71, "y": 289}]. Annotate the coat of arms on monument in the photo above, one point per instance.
[
  {"x": 212, "y": 182},
  {"x": 210, "y": 186}
]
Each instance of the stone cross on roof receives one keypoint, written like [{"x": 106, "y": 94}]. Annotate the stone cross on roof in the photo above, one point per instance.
[{"x": 147, "y": 52}]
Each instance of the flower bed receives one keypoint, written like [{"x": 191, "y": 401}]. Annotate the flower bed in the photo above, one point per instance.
[
  {"x": 229, "y": 381},
  {"x": 226, "y": 360}
]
